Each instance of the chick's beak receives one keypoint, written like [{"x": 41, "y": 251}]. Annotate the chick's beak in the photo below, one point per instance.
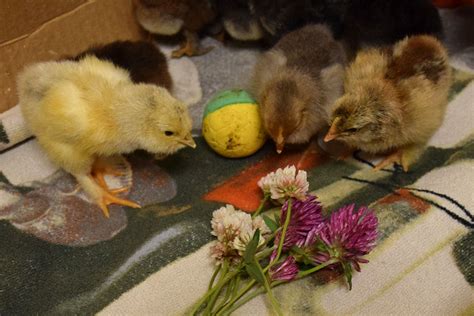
[
  {"x": 332, "y": 133},
  {"x": 188, "y": 141},
  {"x": 279, "y": 147},
  {"x": 280, "y": 142}
]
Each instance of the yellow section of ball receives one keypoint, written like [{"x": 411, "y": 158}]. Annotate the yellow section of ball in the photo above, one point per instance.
[{"x": 234, "y": 131}]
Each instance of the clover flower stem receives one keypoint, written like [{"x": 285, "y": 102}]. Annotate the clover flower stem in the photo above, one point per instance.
[
  {"x": 273, "y": 301},
  {"x": 259, "y": 291},
  {"x": 264, "y": 253},
  {"x": 213, "y": 298},
  {"x": 195, "y": 308},
  {"x": 282, "y": 237},
  {"x": 244, "y": 300},
  {"x": 228, "y": 290},
  {"x": 234, "y": 287},
  {"x": 260, "y": 207},
  {"x": 239, "y": 295},
  {"x": 214, "y": 275},
  {"x": 304, "y": 273}
]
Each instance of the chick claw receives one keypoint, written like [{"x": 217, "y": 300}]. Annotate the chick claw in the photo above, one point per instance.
[
  {"x": 191, "y": 47},
  {"x": 190, "y": 50},
  {"x": 99, "y": 170},
  {"x": 108, "y": 198},
  {"x": 395, "y": 157}
]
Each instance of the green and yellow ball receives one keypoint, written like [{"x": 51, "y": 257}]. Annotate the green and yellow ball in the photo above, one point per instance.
[{"x": 232, "y": 125}]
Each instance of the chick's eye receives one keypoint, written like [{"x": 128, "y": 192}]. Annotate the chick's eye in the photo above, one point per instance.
[
  {"x": 169, "y": 133},
  {"x": 352, "y": 130}
]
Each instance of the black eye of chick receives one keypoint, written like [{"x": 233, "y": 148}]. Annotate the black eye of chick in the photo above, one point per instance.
[
  {"x": 169, "y": 133},
  {"x": 352, "y": 130}
]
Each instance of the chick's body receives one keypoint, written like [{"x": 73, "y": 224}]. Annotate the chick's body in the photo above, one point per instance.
[
  {"x": 144, "y": 61},
  {"x": 375, "y": 22},
  {"x": 359, "y": 23},
  {"x": 296, "y": 81},
  {"x": 170, "y": 17},
  {"x": 279, "y": 17},
  {"x": 238, "y": 20},
  {"x": 394, "y": 100},
  {"x": 82, "y": 111}
]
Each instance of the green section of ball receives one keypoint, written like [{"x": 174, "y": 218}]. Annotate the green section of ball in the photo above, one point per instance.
[{"x": 227, "y": 97}]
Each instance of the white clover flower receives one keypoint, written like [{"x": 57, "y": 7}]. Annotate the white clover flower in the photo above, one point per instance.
[
  {"x": 259, "y": 223},
  {"x": 267, "y": 182},
  {"x": 285, "y": 183},
  {"x": 234, "y": 229}
]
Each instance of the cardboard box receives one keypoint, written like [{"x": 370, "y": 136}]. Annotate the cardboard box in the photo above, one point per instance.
[{"x": 33, "y": 31}]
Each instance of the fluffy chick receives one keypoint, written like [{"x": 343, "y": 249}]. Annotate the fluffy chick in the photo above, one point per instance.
[
  {"x": 170, "y": 17},
  {"x": 394, "y": 100},
  {"x": 279, "y": 17},
  {"x": 82, "y": 112},
  {"x": 238, "y": 20},
  {"x": 358, "y": 22},
  {"x": 296, "y": 81},
  {"x": 375, "y": 22},
  {"x": 143, "y": 60}
]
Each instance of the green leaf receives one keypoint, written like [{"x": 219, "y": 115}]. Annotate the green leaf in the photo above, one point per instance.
[
  {"x": 270, "y": 223},
  {"x": 249, "y": 255},
  {"x": 348, "y": 273},
  {"x": 251, "y": 264},
  {"x": 277, "y": 218},
  {"x": 255, "y": 272}
]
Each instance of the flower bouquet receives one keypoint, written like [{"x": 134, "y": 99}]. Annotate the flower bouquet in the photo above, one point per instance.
[{"x": 255, "y": 253}]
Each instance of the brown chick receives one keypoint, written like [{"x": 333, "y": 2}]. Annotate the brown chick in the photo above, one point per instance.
[
  {"x": 394, "y": 100},
  {"x": 143, "y": 60},
  {"x": 170, "y": 17},
  {"x": 82, "y": 112},
  {"x": 296, "y": 82}
]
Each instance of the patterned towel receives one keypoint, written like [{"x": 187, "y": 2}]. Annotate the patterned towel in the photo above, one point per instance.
[{"x": 59, "y": 255}]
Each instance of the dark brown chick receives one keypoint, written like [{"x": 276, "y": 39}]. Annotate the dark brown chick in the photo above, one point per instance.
[
  {"x": 296, "y": 81},
  {"x": 144, "y": 61},
  {"x": 171, "y": 17},
  {"x": 358, "y": 22},
  {"x": 238, "y": 20},
  {"x": 394, "y": 100}
]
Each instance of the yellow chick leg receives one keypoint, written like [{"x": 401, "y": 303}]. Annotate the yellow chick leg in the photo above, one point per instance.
[
  {"x": 190, "y": 47},
  {"x": 410, "y": 154},
  {"x": 404, "y": 156},
  {"x": 100, "y": 168},
  {"x": 102, "y": 197}
]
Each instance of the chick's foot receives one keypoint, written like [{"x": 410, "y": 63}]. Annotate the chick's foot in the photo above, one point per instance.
[
  {"x": 108, "y": 198},
  {"x": 190, "y": 47},
  {"x": 395, "y": 157},
  {"x": 100, "y": 169}
]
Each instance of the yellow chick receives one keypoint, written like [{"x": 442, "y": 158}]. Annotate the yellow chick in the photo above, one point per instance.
[
  {"x": 84, "y": 111},
  {"x": 394, "y": 101}
]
